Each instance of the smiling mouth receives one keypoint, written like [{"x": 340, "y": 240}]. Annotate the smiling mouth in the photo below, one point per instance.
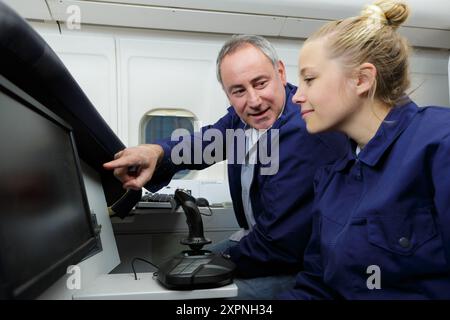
[
  {"x": 258, "y": 114},
  {"x": 307, "y": 111}
]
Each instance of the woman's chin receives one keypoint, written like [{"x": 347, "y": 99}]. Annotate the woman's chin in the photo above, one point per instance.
[{"x": 313, "y": 127}]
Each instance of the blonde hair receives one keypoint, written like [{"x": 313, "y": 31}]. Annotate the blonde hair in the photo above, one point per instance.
[{"x": 372, "y": 37}]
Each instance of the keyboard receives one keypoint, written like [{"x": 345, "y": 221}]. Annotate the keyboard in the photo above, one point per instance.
[{"x": 156, "y": 201}]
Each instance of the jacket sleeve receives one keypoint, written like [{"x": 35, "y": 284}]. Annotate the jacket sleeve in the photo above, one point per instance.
[
  {"x": 186, "y": 151},
  {"x": 441, "y": 180},
  {"x": 309, "y": 284},
  {"x": 277, "y": 242}
]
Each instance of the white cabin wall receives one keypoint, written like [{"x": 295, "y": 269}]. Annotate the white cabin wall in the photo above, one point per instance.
[
  {"x": 92, "y": 62},
  {"x": 174, "y": 72},
  {"x": 126, "y": 72},
  {"x": 430, "y": 77}
]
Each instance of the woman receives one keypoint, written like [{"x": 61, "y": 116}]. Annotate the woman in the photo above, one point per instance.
[{"x": 382, "y": 214}]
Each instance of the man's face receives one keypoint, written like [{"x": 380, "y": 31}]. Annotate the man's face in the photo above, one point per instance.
[{"x": 255, "y": 88}]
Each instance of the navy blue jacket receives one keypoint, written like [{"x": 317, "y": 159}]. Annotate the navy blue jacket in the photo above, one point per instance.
[
  {"x": 281, "y": 202},
  {"x": 387, "y": 209}
]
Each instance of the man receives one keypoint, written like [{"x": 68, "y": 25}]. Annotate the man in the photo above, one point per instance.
[{"x": 272, "y": 204}]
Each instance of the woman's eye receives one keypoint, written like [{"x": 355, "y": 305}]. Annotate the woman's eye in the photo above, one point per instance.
[{"x": 308, "y": 80}]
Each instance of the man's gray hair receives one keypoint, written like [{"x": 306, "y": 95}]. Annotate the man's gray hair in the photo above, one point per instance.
[{"x": 237, "y": 41}]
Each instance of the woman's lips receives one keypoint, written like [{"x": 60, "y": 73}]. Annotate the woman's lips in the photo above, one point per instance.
[{"x": 306, "y": 112}]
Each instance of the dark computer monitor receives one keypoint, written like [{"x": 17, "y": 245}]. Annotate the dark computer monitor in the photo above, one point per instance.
[{"x": 45, "y": 221}]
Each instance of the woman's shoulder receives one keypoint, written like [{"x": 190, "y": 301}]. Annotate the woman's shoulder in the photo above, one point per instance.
[
  {"x": 433, "y": 121},
  {"x": 436, "y": 113}
]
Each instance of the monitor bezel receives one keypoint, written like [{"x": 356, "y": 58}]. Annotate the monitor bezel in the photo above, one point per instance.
[{"x": 40, "y": 282}]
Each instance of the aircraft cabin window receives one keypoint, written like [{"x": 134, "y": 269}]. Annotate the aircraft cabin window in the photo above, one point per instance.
[{"x": 160, "y": 123}]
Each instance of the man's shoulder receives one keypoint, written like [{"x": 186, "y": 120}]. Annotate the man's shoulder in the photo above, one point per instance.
[
  {"x": 292, "y": 118},
  {"x": 230, "y": 120},
  {"x": 291, "y": 88}
]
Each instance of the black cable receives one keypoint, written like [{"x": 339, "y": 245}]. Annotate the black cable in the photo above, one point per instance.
[{"x": 134, "y": 271}]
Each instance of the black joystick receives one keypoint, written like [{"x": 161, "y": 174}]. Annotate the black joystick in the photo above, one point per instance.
[
  {"x": 195, "y": 268},
  {"x": 196, "y": 239}
]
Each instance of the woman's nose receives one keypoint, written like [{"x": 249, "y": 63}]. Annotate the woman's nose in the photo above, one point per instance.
[{"x": 299, "y": 97}]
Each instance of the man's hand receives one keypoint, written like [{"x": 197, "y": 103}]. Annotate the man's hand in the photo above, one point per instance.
[{"x": 144, "y": 157}]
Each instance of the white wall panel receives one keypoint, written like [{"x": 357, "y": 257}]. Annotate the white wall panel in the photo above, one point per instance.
[
  {"x": 92, "y": 62},
  {"x": 288, "y": 52},
  {"x": 429, "y": 89},
  {"x": 45, "y": 27},
  {"x": 169, "y": 74},
  {"x": 429, "y": 77}
]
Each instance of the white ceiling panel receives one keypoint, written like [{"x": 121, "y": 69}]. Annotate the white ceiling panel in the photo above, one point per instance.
[{"x": 30, "y": 9}]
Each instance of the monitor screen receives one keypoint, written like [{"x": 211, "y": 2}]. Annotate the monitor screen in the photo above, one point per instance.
[{"x": 45, "y": 223}]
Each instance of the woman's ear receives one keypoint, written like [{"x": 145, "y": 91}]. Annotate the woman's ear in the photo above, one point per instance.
[{"x": 366, "y": 78}]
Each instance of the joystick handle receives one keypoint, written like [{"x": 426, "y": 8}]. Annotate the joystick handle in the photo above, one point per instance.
[{"x": 196, "y": 239}]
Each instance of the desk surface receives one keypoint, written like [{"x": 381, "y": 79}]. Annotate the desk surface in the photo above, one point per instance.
[{"x": 125, "y": 287}]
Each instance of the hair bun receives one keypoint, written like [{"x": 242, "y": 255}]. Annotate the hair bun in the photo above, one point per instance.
[
  {"x": 375, "y": 14},
  {"x": 394, "y": 12}
]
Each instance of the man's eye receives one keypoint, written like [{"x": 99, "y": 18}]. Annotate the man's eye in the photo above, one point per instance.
[
  {"x": 237, "y": 92},
  {"x": 261, "y": 84}
]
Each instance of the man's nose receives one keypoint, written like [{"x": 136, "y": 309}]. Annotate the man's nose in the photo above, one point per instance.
[{"x": 253, "y": 98}]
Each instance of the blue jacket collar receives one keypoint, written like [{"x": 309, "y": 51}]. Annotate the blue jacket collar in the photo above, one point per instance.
[
  {"x": 397, "y": 120},
  {"x": 289, "y": 107}
]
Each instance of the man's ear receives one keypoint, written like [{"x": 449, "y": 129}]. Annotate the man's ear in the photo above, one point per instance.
[
  {"x": 366, "y": 77},
  {"x": 282, "y": 72}
]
